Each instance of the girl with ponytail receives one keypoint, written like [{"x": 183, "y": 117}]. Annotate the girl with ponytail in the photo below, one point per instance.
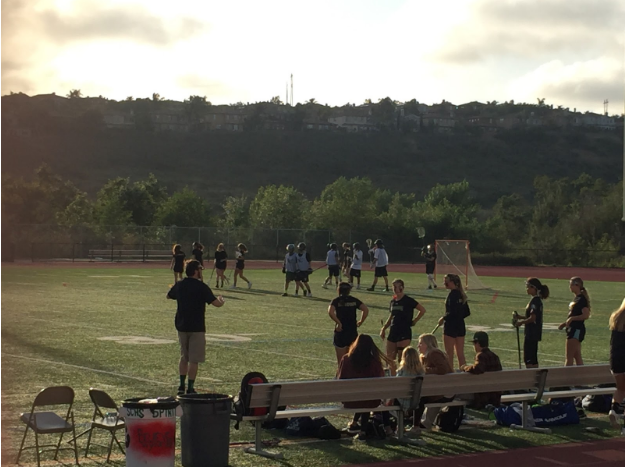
[
  {"x": 452, "y": 321},
  {"x": 579, "y": 311},
  {"x": 533, "y": 320}
]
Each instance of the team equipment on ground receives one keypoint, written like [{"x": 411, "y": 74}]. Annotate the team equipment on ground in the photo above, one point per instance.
[{"x": 454, "y": 257}]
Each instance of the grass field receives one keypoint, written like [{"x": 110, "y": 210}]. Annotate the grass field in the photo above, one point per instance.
[{"x": 112, "y": 328}]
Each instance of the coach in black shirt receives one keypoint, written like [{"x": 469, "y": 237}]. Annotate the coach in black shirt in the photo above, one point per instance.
[{"x": 192, "y": 296}]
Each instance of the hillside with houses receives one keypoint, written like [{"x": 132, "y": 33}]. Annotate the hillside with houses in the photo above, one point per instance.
[{"x": 220, "y": 150}]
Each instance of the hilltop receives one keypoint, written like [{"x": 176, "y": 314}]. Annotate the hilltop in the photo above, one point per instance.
[{"x": 76, "y": 141}]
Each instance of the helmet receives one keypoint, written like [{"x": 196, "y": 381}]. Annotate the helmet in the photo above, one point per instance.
[
  {"x": 333, "y": 246},
  {"x": 290, "y": 248},
  {"x": 379, "y": 242},
  {"x": 356, "y": 246},
  {"x": 301, "y": 246}
]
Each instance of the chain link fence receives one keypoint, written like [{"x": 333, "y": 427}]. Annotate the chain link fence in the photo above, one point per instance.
[{"x": 151, "y": 243}]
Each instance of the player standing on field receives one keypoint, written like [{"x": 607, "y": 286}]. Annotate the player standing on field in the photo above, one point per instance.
[
  {"x": 342, "y": 311},
  {"x": 380, "y": 261},
  {"x": 332, "y": 260},
  {"x": 579, "y": 311},
  {"x": 238, "y": 268},
  {"x": 220, "y": 264},
  {"x": 346, "y": 262},
  {"x": 198, "y": 253},
  {"x": 289, "y": 267},
  {"x": 303, "y": 270},
  {"x": 356, "y": 269},
  {"x": 177, "y": 262},
  {"x": 430, "y": 265},
  {"x": 533, "y": 320}
]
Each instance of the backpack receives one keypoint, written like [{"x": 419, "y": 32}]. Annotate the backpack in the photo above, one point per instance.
[
  {"x": 240, "y": 405},
  {"x": 449, "y": 418}
]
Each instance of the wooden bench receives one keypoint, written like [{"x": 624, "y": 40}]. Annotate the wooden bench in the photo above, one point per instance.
[
  {"x": 117, "y": 254},
  {"x": 300, "y": 397}
]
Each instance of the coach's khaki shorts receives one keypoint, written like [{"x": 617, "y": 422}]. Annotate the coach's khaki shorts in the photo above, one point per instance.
[{"x": 192, "y": 346}]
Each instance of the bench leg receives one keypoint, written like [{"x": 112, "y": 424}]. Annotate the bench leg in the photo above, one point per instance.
[
  {"x": 401, "y": 432},
  {"x": 258, "y": 446},
  {"x": 525, "y": 426}
]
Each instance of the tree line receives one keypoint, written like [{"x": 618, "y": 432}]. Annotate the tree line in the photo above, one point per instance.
[{"x": 565, "y": 219}]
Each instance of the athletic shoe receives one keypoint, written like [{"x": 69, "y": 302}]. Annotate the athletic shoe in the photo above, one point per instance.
[
  {"x": 371, "y": 289},
  {"x": 285, "y": 294},
  {"x": 216, "y": 286},
  {"x": 180, "y": 390},
  {"x": 324, "y": 286},
  {"x": 296, "y": 292},
  {"x": 232, "y": 287},
  {"x": 614, "y": 418},
  {"x": 386, "y": 289},
  {"x": 249, "y": 285},
  {"x": 353, "y": 428},
  {"x": 191, "y": 391},
  {"x": 310, "y": 294},
  {"x": 362, "y": 436}
]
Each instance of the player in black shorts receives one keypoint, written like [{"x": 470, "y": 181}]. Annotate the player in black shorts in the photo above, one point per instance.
[
  {"x": 198, "y": 253},
  {"x": 342, "y": 311},
  {"x": 452, "y": 321},
  {"x": 177, "y": 262},
  {"x": 240, "y": 265},
  {"x": 220, "y": 264},
  {"x": 579, "y": 311},
  {"x": 617, "y": 365},
  {"x": 400, "y": 320},
  {"x": 430, "y": 265},
  {"x": 533, "y": 320}
]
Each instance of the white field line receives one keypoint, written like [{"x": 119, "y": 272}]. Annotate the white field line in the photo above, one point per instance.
[{"x": 112, "y": 373}]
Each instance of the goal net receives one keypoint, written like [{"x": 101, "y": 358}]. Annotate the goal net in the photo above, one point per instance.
[{"x": 454, "y": 257}]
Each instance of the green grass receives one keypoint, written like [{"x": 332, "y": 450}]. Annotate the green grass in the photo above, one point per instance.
[{"x": 55, "y": 334}]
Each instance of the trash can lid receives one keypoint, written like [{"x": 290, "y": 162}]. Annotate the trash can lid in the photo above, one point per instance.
[
  {"x": 203, "y": 398},
  {"x": 146, "y": 403}
]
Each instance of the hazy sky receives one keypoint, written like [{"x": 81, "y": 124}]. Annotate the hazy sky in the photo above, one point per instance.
[{"x": 570, "y": 52}]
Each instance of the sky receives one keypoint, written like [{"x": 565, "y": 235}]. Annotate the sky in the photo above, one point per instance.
[{"x": 569, "y": 52}]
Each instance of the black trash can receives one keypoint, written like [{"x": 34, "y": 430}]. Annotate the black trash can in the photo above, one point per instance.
[{"x": 205, "y": 429}]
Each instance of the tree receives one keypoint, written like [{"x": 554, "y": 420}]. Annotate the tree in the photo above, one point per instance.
[
  {"x": 311, "y": 101},
  {"x": 346, "y": 204},
  {"x": 236, "y": 211},
  {"x": 276, "y": 100},
  {"x": 156, "y": 97},
  {"x": 74, "y": 94},
  {"x": 184, "y": 208},
  {"x": 196, "y": 107},
  {"x": 78, "y": 212},
  {"x": 367, "y": 101},
  {"x": 130, "y": 99},
  {"x": 276, "y": 207}
]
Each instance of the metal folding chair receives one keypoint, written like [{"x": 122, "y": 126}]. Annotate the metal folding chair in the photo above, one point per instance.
[
  {"x": 44, "y": 423},
  {"x": 105, "y": 420}
]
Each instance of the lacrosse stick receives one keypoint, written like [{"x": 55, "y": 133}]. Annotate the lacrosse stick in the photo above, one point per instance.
[
  {"x": 436, "y": 328},
  {"x": 515, "y": 318}
]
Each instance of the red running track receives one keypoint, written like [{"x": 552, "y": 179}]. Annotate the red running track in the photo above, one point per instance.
[{"x": 609, "y": 453}]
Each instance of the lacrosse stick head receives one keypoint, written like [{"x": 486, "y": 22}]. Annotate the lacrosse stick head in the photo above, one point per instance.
[
  {"x": 420, "y": 232},
  {"x": 369, "y": 242}
]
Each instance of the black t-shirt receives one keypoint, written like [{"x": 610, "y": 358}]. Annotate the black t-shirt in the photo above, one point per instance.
[
  {"x": 178, "y": 260},
  {"x": 575, "y": 309},
  {"x": 454, "y": 308},
  {"x": 402, "y": 314},
  {"x": 192, "y": 296},
  {"x": 346, "y": 307},
  {"x": 220, "y": 259},
  {"x": 197, "y": 254},
  {"x": 534, "y": 331}
]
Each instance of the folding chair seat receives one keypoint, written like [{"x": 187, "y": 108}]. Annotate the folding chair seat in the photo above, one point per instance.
[
  {"x": 49, "y": 422},
  {"x": 108, "y": 420}
]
